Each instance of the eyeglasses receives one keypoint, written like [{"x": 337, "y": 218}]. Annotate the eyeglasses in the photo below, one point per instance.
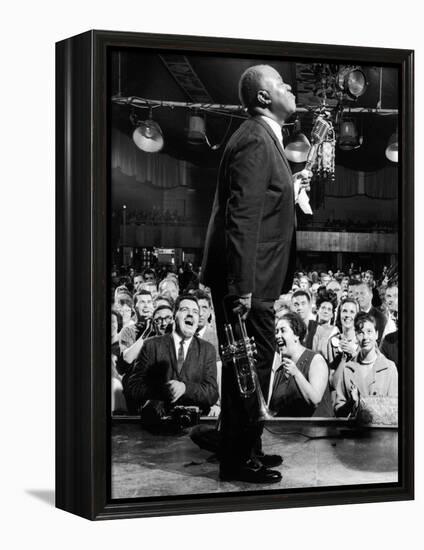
[{"x": 159, "y": 320}]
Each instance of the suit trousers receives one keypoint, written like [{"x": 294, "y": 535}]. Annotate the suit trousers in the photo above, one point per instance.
[{"x": 240, "y": 430}]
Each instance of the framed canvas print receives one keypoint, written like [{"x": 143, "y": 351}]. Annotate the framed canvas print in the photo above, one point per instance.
[{"x": 234, "y": 275}]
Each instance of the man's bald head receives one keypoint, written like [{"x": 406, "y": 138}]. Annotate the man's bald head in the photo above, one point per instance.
[{"x": 261, "y": 88}]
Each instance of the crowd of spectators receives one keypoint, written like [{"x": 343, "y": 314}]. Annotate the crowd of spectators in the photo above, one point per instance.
[{"x": 336, "y": 334}]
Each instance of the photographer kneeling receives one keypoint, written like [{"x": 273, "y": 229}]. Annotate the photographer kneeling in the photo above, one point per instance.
[{"x": 173, "y": 370}]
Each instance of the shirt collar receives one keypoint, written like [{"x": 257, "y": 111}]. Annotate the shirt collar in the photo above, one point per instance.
[
  {"x": 202, "y": 331},
  {"x": 275, "y": 127},
  {"x": 177, "y": 339}
]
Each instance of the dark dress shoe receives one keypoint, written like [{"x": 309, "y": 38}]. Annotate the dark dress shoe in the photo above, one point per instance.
[
  {"x": 251, "y": 475},
  {"x": 269, "y": 461}
]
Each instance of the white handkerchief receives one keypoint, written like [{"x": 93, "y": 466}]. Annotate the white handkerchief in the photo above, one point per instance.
[
  {"x": 301, "y": 198},
  {"x": 303, "y": 202}
]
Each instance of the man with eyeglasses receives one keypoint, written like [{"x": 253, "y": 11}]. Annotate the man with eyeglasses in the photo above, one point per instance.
[
  {"x": 163, "y": 320},
  {"x": 177, "y": 368}
]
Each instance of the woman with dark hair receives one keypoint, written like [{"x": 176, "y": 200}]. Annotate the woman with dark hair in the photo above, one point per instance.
[
  {"x": 369, "y": 374},
  {"x": 324, "y": 329},
  {"x": 300, "y": 383}
]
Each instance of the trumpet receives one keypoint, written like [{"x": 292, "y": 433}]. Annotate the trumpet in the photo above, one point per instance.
[{"x": 241, "y": 355}]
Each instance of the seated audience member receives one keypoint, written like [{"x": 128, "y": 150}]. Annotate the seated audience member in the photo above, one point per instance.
[
  {"x": 150, "y": 287},
  {"x": 207, "y": 331},
  {"x": 325, "y": 278},
  {"x": 117, "y": 397},
  {"x": 164, "y": 301},
  {"x": 368, "y": 374},
  {"x": 175, "y": 369},
  {"x": 121, "y": 290},
  {"x": 282, "y": 305},
  {"x": 163, "y": 317},
  {"x": 124, "y": 305},
  {"x": 301, "y": 304},
  {"x": 344, "y": 283},
  {"x": 365, "y": 305},
  {"x": 335, "y": 287},
  {"x": 368, "y": 278},
  {"x": 353, "y": 289},
  {"x": 299, "y": 386},
  {"x": 149, "y": 275},
  {"x": 390, "y": 342},
  {"x": 169, "y": 288},
  {"x": 345, "y": 344},
  {"x": 391, "y": 309},
  {"x": 323, "y": 328},
  {"x": 304, "y": 283},
  {"x": 138, "y": 281},
  {"x": 131, "y": 338}
]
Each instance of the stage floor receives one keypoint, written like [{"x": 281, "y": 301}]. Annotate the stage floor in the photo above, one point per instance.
[{"x": 316, "y": 454}]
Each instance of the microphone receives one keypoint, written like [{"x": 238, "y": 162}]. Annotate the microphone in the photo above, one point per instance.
[{"x": 320, "y": 131}]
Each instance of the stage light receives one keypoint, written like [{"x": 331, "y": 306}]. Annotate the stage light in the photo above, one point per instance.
[
  {"x": 196, "y": 129},
  {"x": 352, "y": 81},
  {"x": 297, "y": 148},
  {"x": 348, "y": 136},
  {"x": 148, "y": 135},
  {"x": 392, "y": 148}
]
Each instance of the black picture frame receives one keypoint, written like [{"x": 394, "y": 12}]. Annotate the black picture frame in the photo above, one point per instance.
[{"x": 82, "y": 150}]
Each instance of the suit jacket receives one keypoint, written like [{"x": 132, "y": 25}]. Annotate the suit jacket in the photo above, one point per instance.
[
  {"x": 210, "y": 336},
  {"x": 157, "y": 364},
  {"x": 250, "y": 242}
]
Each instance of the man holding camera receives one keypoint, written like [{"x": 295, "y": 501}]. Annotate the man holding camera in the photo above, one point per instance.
[{"x": 175, "y": 369}]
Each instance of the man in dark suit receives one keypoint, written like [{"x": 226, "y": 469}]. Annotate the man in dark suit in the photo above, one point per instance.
[
  {"x": 364, "y": 297},
  {"x": 249, "y": 256},
  {"x": 178, "y": 368}
]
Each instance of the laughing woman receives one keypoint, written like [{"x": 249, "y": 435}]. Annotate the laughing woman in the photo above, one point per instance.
[
  {"x": 300, "y": 384},
  {"x": 369, "y": 374}
]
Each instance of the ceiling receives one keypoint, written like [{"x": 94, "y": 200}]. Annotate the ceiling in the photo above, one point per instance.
[{"x": 209, "y": 79}]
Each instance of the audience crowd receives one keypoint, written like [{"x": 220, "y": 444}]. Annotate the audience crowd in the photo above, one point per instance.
[{"x": 336, "y": 332}]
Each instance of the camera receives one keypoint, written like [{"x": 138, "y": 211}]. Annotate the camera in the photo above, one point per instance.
[
  {"x": 157, "y": 418},
  {"x": 184, "y": 417}
]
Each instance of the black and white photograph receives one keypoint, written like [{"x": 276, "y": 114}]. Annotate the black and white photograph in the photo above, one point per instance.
[
  {"x": 214, "y": 211},
  {"x": 254, "y": 273}
]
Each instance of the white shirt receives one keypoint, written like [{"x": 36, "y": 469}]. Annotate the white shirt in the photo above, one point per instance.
[
  {"x": 200, "y": 333},
  {"x": 275, "y": 127},
  {"x": 300, "y": 196},
  {"x": 177, "y": 340}
]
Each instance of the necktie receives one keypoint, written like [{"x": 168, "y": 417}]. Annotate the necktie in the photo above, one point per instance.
[{"x": 180, "y": 358}]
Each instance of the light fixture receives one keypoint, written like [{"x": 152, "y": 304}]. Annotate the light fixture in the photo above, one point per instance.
[
  {"x": 298, "y": 147},
  {"x": 352, "y": 81},
  {"x": 196, "y": 132},
  {"x": 196, "y": 129},
  {"x": 348, "y": 135},
  {"x": 148, "y": 135},
  {"x": 392, "y": 148}
]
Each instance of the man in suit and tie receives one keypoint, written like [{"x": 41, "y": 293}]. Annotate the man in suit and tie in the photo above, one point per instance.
[
  {"x": 365, "y": 304},
  {"x": 178, "y": 368},
  {"x": 249, "y": 257}
]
